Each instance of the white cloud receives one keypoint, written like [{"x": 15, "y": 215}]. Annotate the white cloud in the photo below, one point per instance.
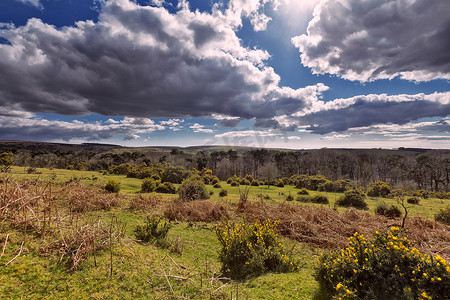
[
  {"x": 294, "y": 138},
  {"x": 247, "y": 133},
  {"x": 376, "y": 39},
  {"x": 200, "y": 128}
]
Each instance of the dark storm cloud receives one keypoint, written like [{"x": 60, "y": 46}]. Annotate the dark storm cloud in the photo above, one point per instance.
[
  {"x": 233, "y": 123},
  {"x": 143, "y": 62},
  {"x": 368, "y": 40},
  {"x": 361, "y": 111}
]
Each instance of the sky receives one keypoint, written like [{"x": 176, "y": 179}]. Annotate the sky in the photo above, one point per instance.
[{"x": 296, "y": 74}]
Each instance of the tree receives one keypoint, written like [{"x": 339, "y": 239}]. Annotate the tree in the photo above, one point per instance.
[{"x": 6, "y": 161}]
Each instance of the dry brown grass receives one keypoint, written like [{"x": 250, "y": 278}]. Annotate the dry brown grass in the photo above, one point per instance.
[
  {"x": 146, "y": 202},
  {"x": 81, "y": 198},
  {"x": 29, "y": 205},
  {"x": 195, "y": 211},
  {"x": 330, "y": 229},
  {"x": 76, "y": 243}
]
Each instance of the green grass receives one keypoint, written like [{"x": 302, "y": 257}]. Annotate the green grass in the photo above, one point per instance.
[
  {"x": 129, "y": 186},
  {"x": 138, "y": 269}
]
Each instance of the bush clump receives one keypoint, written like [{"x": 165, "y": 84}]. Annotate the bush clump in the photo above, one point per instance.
[
  {"x": 166, "y": 188},
  {"x": 279, "y": 183},
  {"x": 353, "y": 198},
  {"x": 289, "y": 198},
  {"x": 303, "y": 191},
  {"x": 383, "y": 268},
  {"x": 155, "y": 230},
  {"x": 379, "y": 189},
  {"x": 148, "y": 185},
  {"x": 390, "y": 212},
  {"x": 112, "y": 186},
  {"x": 244, "y": 182},
  {"x": 320, "y": 199},
  {"x": 413, "y": 200},
  {"x": 252, "y": 249},
  {"x": 217, "y": 186},
  {"x": 223, "y": 193},
  {"x": 443, "y": 215},
  {"x": 304, "y": 199},
  {"x": 422, "y": 194},
  {"x": 255, "y": 183},
  {"x": 234, "y": 183},
  {"x": 315, "y": 199},
  {"x": 192, "y": 189}
]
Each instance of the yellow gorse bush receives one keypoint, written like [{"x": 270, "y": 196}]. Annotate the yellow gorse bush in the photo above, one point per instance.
[
  {"x": 252, "y": 249},
  {"x": 386, "y": 267}
]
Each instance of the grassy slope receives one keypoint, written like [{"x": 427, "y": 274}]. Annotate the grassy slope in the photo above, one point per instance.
[{"x": 135, "y": 265}]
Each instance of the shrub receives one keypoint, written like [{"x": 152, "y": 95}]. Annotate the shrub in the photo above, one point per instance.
[
  {"x": 327, "y": 186},
  {"x": 379, "y": 189},
  {"x": 166, "y": 188},
  {"x": 112, "y": 186},
  {"x": 389, "y": 212},
  {"x": 193, "y": 188},
  {"x": 279, "y": 183},
  {"x": 255, "y": 183},
  {"x": 289, "y": 198},
  {"x": 244, "y": 182},
  {"x": 215, "y": 181},
  {"x": 252, "y": 249},
  {"x": 353, "y": 198},
  {"x": 223, "y": 193},
  {"x": 303, "y": 198},
  {"x": 413, "y": 200},
  {"x": 443, "y": 215},
  {"x": 383, "y": 268},
  {"x": 217, "y": 186},
  {"x": 422, "y": 194},
  {"x": 303, "y": 191},
  {"x": 155, "y": 229},
  {"x": 234, "y": 183},
  {"x": 319, "y": 199},
  {"x": 148, "y": 185}
]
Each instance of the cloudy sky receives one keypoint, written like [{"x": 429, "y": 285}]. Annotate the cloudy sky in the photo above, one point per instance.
[{"x": 266, "y": 73}]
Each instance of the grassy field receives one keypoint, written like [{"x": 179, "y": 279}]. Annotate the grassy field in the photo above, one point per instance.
[
  {"x": 30, "y": 267},
  {"x": 427, "y": 208}
]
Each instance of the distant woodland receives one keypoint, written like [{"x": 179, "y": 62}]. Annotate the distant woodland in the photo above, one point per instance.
[{"x": 410, "y": 169}]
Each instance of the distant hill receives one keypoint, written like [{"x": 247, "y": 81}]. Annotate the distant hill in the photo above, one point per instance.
[{"x": 6, "y": 145}]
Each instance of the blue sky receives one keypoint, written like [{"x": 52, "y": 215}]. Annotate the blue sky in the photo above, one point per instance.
[{"x": 268, "y": 73}]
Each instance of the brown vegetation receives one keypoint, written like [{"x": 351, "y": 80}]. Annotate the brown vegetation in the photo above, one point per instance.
[
  {"x": 81, "y": 198},
  {"x": 196, "y": 211},
  {"x": 327, "y": 228},
  {"x": 142, "y": 202}
]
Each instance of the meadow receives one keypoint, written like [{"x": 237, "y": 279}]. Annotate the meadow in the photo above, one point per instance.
[{"x": 61, "y": 243}]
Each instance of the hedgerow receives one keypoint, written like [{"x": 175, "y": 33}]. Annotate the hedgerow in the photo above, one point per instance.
[{"x": 383, "y": 268}]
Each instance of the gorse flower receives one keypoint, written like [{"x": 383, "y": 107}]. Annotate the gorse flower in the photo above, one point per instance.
[
  {"x": 252, "y": 249},
  {"x": 386, "y": 267}
]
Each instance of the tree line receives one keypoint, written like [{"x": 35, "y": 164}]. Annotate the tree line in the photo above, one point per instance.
[{"x": 409, "y": 169}]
